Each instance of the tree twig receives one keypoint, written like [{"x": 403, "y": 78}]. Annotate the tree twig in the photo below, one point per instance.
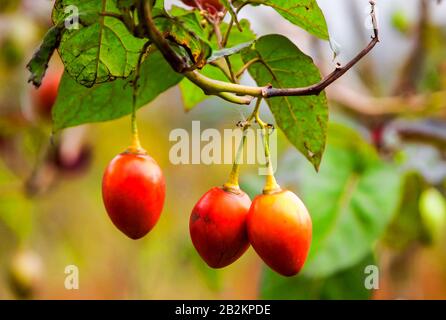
[
  {"x": 246, "y": 66},
  {"x": 422, "y": 104},
  {"x": 412, "y": 67},
  {"x": 149, "y": 28},
  {"x": 216, "y": 87},
  {"x": 332, "y": 77}
]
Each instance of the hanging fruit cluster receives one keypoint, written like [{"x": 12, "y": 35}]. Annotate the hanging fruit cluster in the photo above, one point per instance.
[
  {"x": 175, "y": 45},
  {"x": 224, "y": 222}
]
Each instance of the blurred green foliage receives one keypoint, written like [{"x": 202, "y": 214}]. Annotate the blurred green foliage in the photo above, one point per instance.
[
  {"x": 345, "y": 284},
  {"x": 367, "y": 209}
]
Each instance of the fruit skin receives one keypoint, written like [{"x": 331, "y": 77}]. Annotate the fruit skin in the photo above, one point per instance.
[
  {"x": 212, "y": 6},
  {"x": 218, "y": 226},
  {"x": 133, "y": 191},
  {"x": 280, "y": 229}
]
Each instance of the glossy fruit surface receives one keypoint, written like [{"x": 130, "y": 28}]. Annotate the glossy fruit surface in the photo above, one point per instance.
[
  {"x": 212, "y": 6},
  {"x": 133, "y": 190},
  {"x": 280, "y": 229},
  {"x": 218, "y": 226}
]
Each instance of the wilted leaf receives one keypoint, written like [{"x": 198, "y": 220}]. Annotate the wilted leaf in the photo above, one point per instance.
[{"x": 39, "y": 62}]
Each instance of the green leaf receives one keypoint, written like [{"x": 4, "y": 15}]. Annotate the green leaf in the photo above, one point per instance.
[
  {"x": 228, "y": 51},
  {"x": 159, "y": 4},
  {"x": 407, "y": 227},
  {"x": 303, "y": 13},
  {"x": 77, "y": 104},
  {"x": 15, "y": 208},
  {"x": 193, "y": 95},
  {"x": 302, "y": 119},
  {"x": 39, "y": 62},
  {"x": 126, "y": 4},
  {"x": 351, "y": 202},
  {"x": 102, "y": 49},
  {"x": 346, "y": 285},
  {"x": 231, "y": 11}
]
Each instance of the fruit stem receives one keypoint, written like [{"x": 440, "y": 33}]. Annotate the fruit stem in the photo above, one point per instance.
[
  {"x": 233, "y": 181},
  {"x": 135, "y": 146},
  {"x": 232, "y": 184},
  {"x": 271, "y": 185}
]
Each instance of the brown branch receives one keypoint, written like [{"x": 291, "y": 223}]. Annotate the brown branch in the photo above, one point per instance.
[
  {"x": 150, "y": 30},
  {"x": 316, "y": 89},
  {"x": 430, "y": 131},
  {"x": 422, "y": 104},
  {"x": 216, "y": 87},
  {"x": 246, "y": 66},
  {"x": 413, "y": 65}
]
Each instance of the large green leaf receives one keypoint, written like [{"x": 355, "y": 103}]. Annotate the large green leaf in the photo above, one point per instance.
[
  {"x": 347, "y": 284},
  {"x": 407, "y": 227},
  {"x": 193, "y": 95},
  {"x": 303, "y": 13},
  {"x": 101, "y": 49},
  {"x": 302, "y": 119},
  {"x": 351, "y": 202},
  {"x": 77, "y": 104}
]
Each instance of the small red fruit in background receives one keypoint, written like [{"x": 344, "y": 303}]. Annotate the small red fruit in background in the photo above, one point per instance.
[
  {"x": 218, "y": 226},
  {"x": 280, "y": 229},
  {"x": 212, "y": 6},
  {"x": 133, "y": 190},
  {"x": 45, "y": 96}
]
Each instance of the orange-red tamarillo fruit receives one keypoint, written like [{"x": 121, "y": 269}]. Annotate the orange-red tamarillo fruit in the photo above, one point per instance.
[
  {"x": 133, "y": 190},
  {"x": 279, "y": 230},
  {"x": 218, "y": 226}
]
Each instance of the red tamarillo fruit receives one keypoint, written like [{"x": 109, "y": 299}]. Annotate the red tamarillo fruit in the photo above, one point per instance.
[
  {"x": 133, "y": 190},
  {"x": 280, "y": 229},
  {"x": 218, "y": 226}
]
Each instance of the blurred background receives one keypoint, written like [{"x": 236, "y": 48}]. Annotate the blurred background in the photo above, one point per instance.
[{"x": 390, "y": 108}]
